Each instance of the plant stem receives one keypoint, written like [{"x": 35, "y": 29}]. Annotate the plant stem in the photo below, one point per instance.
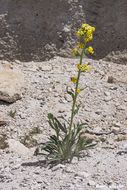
[{"x": 76, "y": 93}]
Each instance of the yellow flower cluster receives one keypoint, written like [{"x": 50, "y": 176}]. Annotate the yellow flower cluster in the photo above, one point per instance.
[
  {"x": 80, "y": 45},
  {"x": 78, "y": 90},
  {"x": 90, "y": 50},
  {"x": 86, "y": 32},
  {"x": 74, "y": 79},
  {"x": 84, "y": 67}
]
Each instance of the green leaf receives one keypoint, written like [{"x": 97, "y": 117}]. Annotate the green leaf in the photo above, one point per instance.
[
  {"x": 76, "y": 109},
  {"x": 83, "y": 124},
  {"x": 12, "y": 113},
  {"x": 62, "y": 127},
  {"x": 64, "y": 119},
  {"x": 71, "y": 93},
  {"x": 55, "y": 124},
  {"x": 54, "y": 139},
  {"x": 79, "y": 127}
]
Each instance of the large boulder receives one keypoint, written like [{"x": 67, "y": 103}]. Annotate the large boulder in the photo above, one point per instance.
[{"x": 11, "y": 84}]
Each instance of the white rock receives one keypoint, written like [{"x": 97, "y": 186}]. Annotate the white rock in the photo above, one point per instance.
[
  {"x": 11, "y": 85},
  {"x": 91, "y": 183},
  {"x": 17, "y": 61},
  {"x": 17, "y": 166},
  {"x": 57, "y": 167},
  {"x": 19, "y": 148},
  {"x": 67, "y": 29},
  {"x": 75, "y": 160},
  {"x": 117, "y": 124},
  {"x": 121, "y": 107},
  {"x": 107, "y": 93},
  {"x": 107, "y": 96},
  {"x": 117, "y": 187},
  {"x": 102, "y": 187},
  {"x": 98, "y": 112},
  {"x": 83, "y": 174},
  {"x": 68, "y": 169},
  {"x": 125, "y": 145},
  {"x": 115, "y": 130},
  {"x": 45, "y": 67}
]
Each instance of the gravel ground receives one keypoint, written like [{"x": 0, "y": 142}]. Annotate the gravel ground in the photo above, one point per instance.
[{"x": 104, "y": 108}]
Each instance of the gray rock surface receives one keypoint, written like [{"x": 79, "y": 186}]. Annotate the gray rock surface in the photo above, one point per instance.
[{"x": 38, "y": 30}]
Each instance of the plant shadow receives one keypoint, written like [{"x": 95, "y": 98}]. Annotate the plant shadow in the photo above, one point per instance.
[
  {"x": 40, "y": 163},
  {"x": 4, "y": 103}
]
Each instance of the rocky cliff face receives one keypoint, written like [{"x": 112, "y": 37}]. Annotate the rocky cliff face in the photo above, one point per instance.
[
  {"x": 38, "y": 29},
  {"x": 111, "y": 35}
]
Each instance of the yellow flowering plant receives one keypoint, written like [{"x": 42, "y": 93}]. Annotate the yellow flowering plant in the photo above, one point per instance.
[
  {"x": 67, "y": 140},
  {"x": 90, "y": 50}
]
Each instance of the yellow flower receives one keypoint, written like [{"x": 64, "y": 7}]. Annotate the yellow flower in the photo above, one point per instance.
[
  {"x": 88, "y": 36},
  {"x": 84, "y": 25},
  {"x": 80, "y": 33},
  {"x": 74, "y": 79},
  {"x": 86, "y": 32},
  {"x": 93, "y": 28},
  {"x": 80, "y": 45},
  {"x": 78, "y": 66},
  {"x": 75, "y": 52},
  {"x": 78, "y": 90},
  {"x": 84, "y": 67},
  {"x": 90, "y": 50},
  {"x": 89, "y": 32}
]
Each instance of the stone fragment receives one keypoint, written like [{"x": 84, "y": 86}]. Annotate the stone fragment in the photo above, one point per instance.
[
  {"x": 107, "y": 98},
  {"x": 3, "y": 143},
  {"x": 102, "y": 187},
  {"x": 2, "y": 121},
  {"x": 17, "y": 61},
  {"x": 110, "y": 79},
  {"x": 17, "y": 166},
  {"x": 68, "y": 169},
  {"x": 121, "y": 107},
  {"x": 98, "y": 112},
  {"x": 82, "y": 174},
  {"x": 107, "y": 93},
  {"x": 89, "y": 137},
  {"x": 91, "y": 183},
  {"x": 117, "y": 124},
  {"x": 67, "y": 28},
  {"x": 125, "y": 145},
  {"x": 58, "y": 167},
  {"x": 75, "y": 160},
  {"x": 115, "y": 130},
  {"x": 45, "y": 67}
]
